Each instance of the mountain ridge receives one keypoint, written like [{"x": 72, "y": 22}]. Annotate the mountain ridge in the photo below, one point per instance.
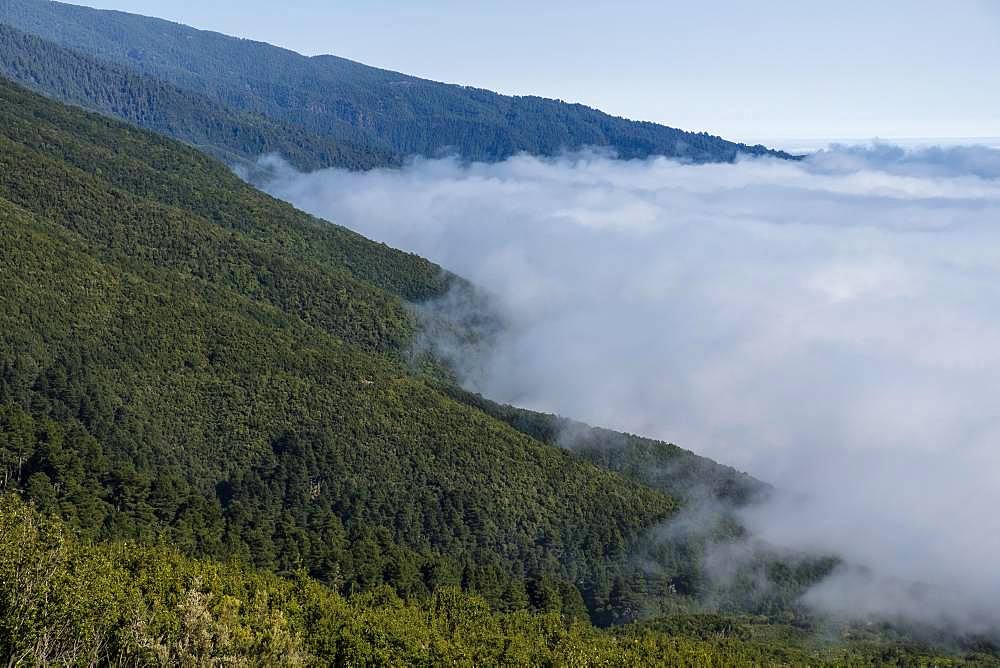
[{"x": 336, "y": 98}]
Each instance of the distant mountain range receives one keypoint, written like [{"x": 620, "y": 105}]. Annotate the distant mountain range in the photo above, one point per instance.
[
  {"x": 237, "y": 98},
  {"x": 123, "y": 93}
]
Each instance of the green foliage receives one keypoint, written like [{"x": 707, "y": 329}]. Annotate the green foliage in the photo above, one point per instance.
[
  {"x": 764, "y": 581},
  {"x": 230, "y": 135},
  {"x": 67, "y": 602},
  {"x": 660, "y": 465},
  {"x": 183, "y": 357},
  {"x": 112, "y": 169},
  {"x": 329, "y": 98}
]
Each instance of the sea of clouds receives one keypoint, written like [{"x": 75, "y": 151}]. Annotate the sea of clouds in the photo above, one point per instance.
[{"x": 831, "y": 326}]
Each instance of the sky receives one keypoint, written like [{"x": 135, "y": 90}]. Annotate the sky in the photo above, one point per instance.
[{"x": 786, "y": 72}]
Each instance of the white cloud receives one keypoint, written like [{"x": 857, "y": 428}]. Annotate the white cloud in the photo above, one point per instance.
[{"x": 831, "y": 326}]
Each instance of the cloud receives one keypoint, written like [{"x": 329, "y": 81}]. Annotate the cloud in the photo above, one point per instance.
[{"x": 830, "y": 326}]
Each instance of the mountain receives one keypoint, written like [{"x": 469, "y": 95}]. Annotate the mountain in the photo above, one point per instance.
[
  {"x": 185, "y": 358},
  {"x": 313, "y": 101},
  {"x": 229, "y": 135}
]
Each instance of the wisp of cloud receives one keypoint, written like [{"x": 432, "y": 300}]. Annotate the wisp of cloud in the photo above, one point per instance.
[{"x": 830, "y": 326}]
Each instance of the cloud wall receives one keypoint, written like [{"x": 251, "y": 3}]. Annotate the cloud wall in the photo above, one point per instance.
[{"x": 831, "y": 326}]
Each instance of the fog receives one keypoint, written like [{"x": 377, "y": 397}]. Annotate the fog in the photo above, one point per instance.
[{"x": 831, "y": 326}]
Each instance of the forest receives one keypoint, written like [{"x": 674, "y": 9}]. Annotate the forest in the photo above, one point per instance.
[
  {"x": 244, "y": 397},
  {"x": 122, "y": 603},
  {"x": 232, "y": 136}
]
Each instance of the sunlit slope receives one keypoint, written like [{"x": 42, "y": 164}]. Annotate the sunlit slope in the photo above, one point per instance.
[
  {"x": 111, "y": 604},
  {"x": 222, "y": 370}
]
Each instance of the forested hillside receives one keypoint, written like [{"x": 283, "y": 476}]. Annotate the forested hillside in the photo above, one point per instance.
[
  {"x": 232, "y": 136},
  {"x": 663, "y": 466},
  {"x": 66, "y": 602},
  {"x": 368, "y": 112},
  {"x": 185, "y": 357}
]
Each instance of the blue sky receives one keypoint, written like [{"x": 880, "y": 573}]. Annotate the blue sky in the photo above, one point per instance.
[{"x": 752, "y": 71}]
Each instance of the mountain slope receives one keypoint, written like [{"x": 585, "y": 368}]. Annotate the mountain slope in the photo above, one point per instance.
[
  {"x": 183, "y": 356},
  {"x": 336, "y": 98},
  {"x": 154, "y": 105},
  {"x": 664, "y": 466}
]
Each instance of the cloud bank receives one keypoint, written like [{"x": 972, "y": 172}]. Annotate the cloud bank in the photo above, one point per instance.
[{"x": 831, "y": 326}]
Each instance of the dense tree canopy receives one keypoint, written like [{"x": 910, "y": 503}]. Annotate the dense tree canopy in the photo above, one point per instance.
[
  {"x": 66, "y": 602},
  {"x": 230, "y": 135}
]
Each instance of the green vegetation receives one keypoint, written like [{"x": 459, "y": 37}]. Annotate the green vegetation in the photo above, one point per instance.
[
  {"x": 177, "y": 73},
  {"x": 117, "y": 91},
  {"x": 68, "y": 602},
  {"x": 184, "y": 356},
  {"x": 710, "y": 493},
  {"x": 663, "y": 466}
]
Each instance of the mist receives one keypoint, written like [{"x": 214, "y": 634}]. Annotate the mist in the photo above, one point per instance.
[{"x": 831, "y": 326}]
